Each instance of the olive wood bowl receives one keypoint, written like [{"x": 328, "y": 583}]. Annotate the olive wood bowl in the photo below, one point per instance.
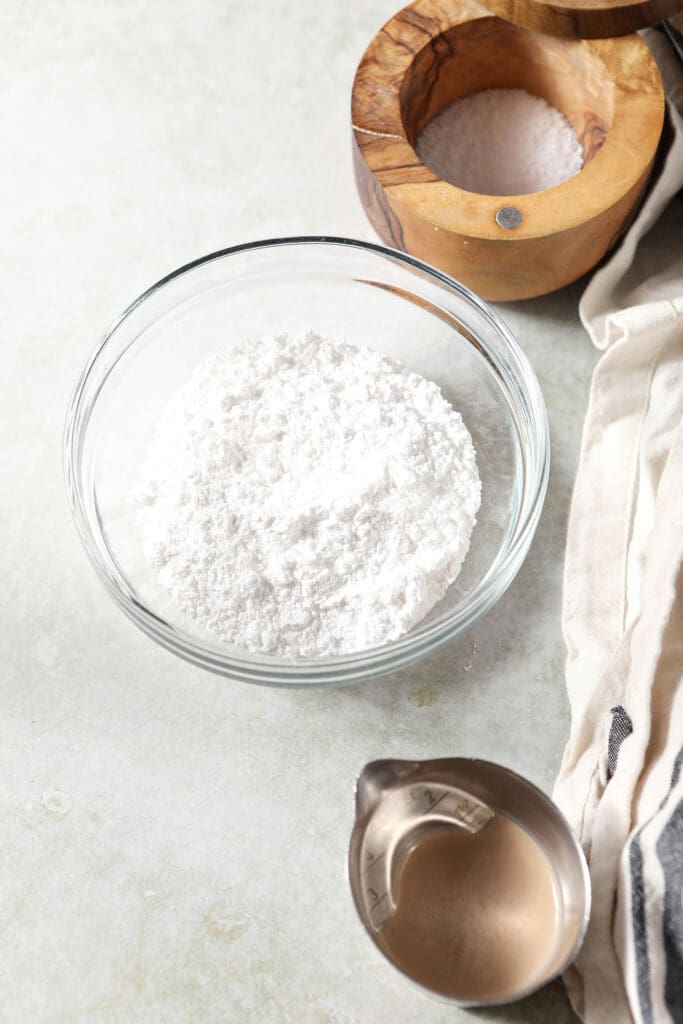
[{"x": 502, "y": 247}]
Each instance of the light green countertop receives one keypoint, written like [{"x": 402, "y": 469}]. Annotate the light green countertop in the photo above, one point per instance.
[{"x": 173, "y": 845}]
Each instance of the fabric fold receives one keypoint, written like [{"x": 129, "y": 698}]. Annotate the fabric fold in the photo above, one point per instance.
[{"x": 620, "y": 783}]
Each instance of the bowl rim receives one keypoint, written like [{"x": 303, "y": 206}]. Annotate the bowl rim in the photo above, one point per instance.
[{"x": 339, "y": 669}]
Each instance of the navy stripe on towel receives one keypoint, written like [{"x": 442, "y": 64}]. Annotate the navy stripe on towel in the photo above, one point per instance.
[
  {"x": 621, "y": 727},
  {"x": 669, "y": 849},
  {"x": 638, "y": 925},
  {"x": 670, "y": 854}
]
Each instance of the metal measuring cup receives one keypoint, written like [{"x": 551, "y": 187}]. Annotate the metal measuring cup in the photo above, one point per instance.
[{"x": 399, "y": 802}]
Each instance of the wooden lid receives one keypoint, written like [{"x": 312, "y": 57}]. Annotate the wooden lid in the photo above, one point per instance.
[{"x": 585, "y": 19}]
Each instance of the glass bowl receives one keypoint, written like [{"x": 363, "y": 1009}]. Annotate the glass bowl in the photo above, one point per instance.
[{"x": 346, "y": 290}]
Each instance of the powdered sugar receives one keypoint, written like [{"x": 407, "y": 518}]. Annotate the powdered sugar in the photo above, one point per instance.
[
  {"x": 501, "y": 142},
  {"x": 306, "y": 498}
]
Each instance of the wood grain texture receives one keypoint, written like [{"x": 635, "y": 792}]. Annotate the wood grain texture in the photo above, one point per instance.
[
  {"x": 585, "y": 19},
  {"x": 435, "y": 51}
]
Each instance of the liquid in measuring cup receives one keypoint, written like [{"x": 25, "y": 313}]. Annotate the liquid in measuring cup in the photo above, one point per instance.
[
  {"x": 476, "y": 914},
  {"x": 466, "y": 877}
]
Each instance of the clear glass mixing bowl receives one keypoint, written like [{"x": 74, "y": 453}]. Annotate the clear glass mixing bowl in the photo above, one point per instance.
[{"x": 347, "y": 290}]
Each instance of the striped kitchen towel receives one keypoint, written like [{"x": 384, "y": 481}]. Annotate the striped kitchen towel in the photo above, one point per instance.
[{"x": 621, "y": 780}]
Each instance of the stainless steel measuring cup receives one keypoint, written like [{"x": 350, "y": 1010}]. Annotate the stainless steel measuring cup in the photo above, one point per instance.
[{"x": 399, "y": 802}]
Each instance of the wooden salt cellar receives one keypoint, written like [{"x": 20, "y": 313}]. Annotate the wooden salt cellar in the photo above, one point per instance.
[{"x": 505, "y": 247}]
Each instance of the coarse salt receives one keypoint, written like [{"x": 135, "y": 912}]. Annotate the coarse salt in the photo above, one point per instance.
[{"x": 501, "y": 142}]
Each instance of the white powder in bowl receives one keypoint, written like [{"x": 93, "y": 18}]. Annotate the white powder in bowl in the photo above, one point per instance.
[
  {"x": 501, "y": 142},
  {"x": 303, "y": 497}
]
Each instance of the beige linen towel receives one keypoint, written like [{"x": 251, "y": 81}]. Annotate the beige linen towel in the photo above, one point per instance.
[{"x": 621, "y": 781}]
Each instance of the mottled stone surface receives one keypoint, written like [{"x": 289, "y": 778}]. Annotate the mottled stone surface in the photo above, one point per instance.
[{"x": 172, "y": 845}]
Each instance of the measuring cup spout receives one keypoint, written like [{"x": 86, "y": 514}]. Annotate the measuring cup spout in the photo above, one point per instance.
[{"x": 376, "y": 778}]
